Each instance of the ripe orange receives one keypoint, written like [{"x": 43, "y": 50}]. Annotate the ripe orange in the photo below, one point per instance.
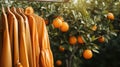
[
  {"x": 110, "y": 16},
  {"x": 61, "y": 48},
  {"x": 101, "y": 39},
  {"x": 29, "y": 10},
  {"x": 80, "y": 40},
  {"x": 61, "y": 18},
  {"x": 94, "y": 28},
  {"x": 58, "y": 62},
  {"x": 57, "y": 23},
  {"x": 87, "y": 54},
  {"x": 72, "y": 40},
  {"x": 64, "y": 27}
]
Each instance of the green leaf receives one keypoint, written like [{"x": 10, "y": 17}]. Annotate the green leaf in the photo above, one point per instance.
[
  {"x": 93, "y": 38},
  {"x": 70, "y": 48},
  {"x": 113, "y": 33},
  {"x": 94, "y": 50}
]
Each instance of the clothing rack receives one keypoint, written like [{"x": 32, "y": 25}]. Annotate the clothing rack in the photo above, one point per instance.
[{"x": 27, "y": 54}]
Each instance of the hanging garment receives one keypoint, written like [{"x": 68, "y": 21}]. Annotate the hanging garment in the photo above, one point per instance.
[
  {"x": 34, "y": 37},
  {"x": 39, "y": 40},
  {"x": 45, "y": 48},
  {"x": 6, "y": 59},
  {"x": 45, "y": 56},
  {"x": 22, "y": 41},
  {"x": 13, "y": 25},
  {"x": 28, "y": 37},
  {"x": 10, "y": 27}
]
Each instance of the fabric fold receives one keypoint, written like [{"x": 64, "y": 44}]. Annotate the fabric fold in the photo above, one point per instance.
[
  {"x": 34, "y": 40},
  {"x": 28, "y": 37},
  {"x": 13, "y": 25},
  {"x": 22, "y": 41},
  {"x": 46, "y": 56}
]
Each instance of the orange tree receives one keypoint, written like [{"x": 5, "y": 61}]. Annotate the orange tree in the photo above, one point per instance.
[
  {"x": 76, "y": 29},
  {"x": 89, "y": 27}
]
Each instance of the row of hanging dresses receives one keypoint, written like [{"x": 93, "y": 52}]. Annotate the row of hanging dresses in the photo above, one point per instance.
[{"x": 24, "y": 40}]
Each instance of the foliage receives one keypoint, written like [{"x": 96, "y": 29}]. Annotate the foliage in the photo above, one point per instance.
[{"x": 81, "y": 17}]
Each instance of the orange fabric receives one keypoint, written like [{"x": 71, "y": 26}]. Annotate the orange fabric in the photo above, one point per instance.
[
  {"x": 13, "y": 25},
  {"x": 45, "y": 54},
  {"x": 46, "y": 57},
  {"x": 46, "y": 44},
  {"x": 1, "y": 37},
  {"x": 10, "y": 27},
  {"x": 22, "y": 41},
  {"x": 28, "y": 37},
  {"x": 6, "y": 59},
  {"x": 39, "y": 27},
  {"x": 34, "y": 37}
]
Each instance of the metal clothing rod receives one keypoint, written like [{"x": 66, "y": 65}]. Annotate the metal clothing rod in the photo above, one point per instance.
[{"x": 48, "y": 0}]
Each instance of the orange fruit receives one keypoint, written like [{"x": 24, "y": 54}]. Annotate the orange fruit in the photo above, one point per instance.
[
  {"x": 61, "y": 48},
  {"x": 29, "y": 10},
  {"x": 64, "y": 27},
  {"x": 110, "y": 16},
  {"x": 80, "y": 40},
  {"x": 61, "y": 18},
  {"x": 72, "y": 40},
  {"x": 101, "y": 39},
  {"x": 94, "y": 28},
  {"x": 87, "y": 54},
  {"x": 57, "y": 23},
  {"x": 58, "y": 62}
]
